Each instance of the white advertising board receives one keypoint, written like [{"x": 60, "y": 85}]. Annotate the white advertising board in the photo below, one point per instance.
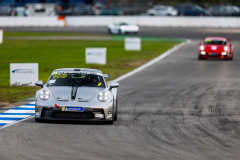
[
  {"x": 1, "y": 36},
  {"x": 23, "y": 74},
  {"x": 96, "y": 55},
  {"x": 132, "y": 44}
]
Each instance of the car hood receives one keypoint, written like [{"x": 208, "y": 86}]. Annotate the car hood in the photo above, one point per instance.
[
  {"x": 129, "y": 27},
  {"x": 84, "y": 94}
]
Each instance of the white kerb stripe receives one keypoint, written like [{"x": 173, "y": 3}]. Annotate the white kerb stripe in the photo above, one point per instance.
[
  {"x": 15, "y": 116},
  {"x": 20, "y": 111},
  {"x": 27, "y": 106},
  {"x": 6, "y": 121}
]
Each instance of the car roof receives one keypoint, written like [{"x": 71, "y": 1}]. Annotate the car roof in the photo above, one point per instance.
[
  {"x": 78, "y": 69},
  {"x": 217, "y": 38}
]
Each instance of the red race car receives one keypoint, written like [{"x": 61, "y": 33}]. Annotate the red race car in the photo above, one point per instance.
[{"x": 215, "y": 48}]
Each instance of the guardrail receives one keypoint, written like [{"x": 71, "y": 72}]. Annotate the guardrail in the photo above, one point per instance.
[{"x": 210, "y": 22}]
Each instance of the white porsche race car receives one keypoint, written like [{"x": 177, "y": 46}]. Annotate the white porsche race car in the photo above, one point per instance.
[
  {"x": 77, "y": 94},
  {"x": 122, "y": 28}
]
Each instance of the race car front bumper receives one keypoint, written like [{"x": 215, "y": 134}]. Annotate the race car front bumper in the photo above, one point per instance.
[
  {"x": 94, "y": 113},
  {"x": 216, "y": 56}
]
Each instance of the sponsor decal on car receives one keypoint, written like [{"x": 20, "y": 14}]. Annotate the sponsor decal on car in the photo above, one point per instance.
[
  {"x": 68, "y": 108},
  {"x": 83, "y": 100}
]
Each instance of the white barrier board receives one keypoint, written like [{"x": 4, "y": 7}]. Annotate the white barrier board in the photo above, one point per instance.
[
  {"x": 1, "y": 36},
  {"x": 132, "y": 44},
  {"x": 23, "y": 74},
  {"x": 96, "y": 55}
]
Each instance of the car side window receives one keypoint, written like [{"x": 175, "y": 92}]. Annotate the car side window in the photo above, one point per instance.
[{"x": 107, "y": 80}]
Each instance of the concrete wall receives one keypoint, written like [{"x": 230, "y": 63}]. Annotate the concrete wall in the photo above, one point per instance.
[
  {"x": 212, "y": 22},
  {"x": 31, "y": 22}
]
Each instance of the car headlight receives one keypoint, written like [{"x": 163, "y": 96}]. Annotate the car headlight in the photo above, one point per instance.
[
  {"x": 202, "y": 48},
  {"x": 44, "y": 95},
  {"x": 103, "y": 96},
  {"x": 123, "y": 27},
  {"x": 225, "y": 48}
]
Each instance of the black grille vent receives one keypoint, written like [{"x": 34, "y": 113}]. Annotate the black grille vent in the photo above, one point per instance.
[{"x": 72, "y": 115}]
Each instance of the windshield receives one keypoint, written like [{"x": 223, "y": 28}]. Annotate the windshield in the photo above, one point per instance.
[
  {"x": 123, "y": 24},
  {"x": 76, "y": 79},
  {"x": 214, "y": 41}
]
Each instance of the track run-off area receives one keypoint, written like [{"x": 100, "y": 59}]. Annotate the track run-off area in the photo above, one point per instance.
[{"x": 177, "y": 108}]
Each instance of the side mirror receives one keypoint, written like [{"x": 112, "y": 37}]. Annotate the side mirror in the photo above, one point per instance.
[
  {"x": 113, "y": 85},
  {"x": 39, "y": 83},
  {"x": 105, "y": 75},
  {"x": 199, "y": 43}
]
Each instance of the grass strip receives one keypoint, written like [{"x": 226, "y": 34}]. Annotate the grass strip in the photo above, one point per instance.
[{"x": 53, "y": 54}]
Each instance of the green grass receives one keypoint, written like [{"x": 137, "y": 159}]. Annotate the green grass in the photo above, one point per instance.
[{"x": 53, "y": 54}]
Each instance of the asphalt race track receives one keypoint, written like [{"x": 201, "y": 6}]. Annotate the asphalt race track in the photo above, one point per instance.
[{"x": 179, "y": 108}]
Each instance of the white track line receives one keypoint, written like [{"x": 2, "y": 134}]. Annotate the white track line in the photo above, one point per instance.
[
  {"x": 20, "y": 111},
  {"x": 165, "y": 54}
]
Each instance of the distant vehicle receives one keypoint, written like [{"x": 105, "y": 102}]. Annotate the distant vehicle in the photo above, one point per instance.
[
  {"x": 100, "y": 9},
  {"x": 20, "y": 11},
  {"x": 41, "y": 9},
  {"x": 77, "y": 94},
  {"x": 122, "y": 28},
  {"x": 110, "y": 11},
  {"x": 219, "y": 10},
  {"x": 215, "y": 48},
  {"x": 191, "y": 10},
  {"x": 161, "y": 10},
  {"x": 78, "y": 9},
  {"x": 81, "y": 9},
  {"x": 5, "y": 10},
  {"x": 234, "y": 10}
]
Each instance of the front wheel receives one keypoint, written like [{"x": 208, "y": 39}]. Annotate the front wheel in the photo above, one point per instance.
[
  {"x": 116, "y": 112},
  {"x": 120, "y": 32},
  {"x": 40, "y": 120},
  {"x": 108, "y": 122},
  {"x": 231, "y": 57},
  {"x": 109, "y": 31}
]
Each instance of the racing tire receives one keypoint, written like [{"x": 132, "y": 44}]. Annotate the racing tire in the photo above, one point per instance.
[
  {"x": 119, "y": 32},
  {"x": 108, "y": 122},
  {"x": 40, "y": 120},
  {"x": 231, "y": 57},
  {"x": 109, "y": 31},
  {"x": 116, "y": 112}
]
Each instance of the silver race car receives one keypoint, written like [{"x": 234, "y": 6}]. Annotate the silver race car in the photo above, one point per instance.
[
  {"x": 122, "y": 28},
  {"x": 77, "y": 94}
]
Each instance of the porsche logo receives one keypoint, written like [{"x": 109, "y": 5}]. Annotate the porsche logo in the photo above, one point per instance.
[{"x": 72, "y": 99}]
